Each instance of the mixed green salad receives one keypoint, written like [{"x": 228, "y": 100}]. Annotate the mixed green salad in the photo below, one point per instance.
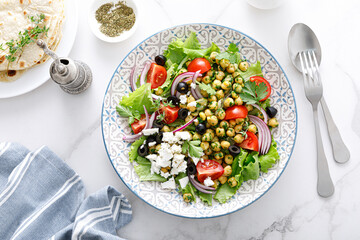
[{"x": 201, "y": 121}]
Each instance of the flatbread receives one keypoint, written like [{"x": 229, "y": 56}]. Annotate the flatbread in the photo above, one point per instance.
[{"x": 14, "y": 17}]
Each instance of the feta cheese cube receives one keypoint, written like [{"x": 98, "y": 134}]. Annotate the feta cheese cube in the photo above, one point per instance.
[
  {"x": 208, "y": 182},
  {"x": 151, "y": 131},
  {"x": 154, "y": 168},
  {"x": 169, "y": 137},
  {"x": 195, "y": 160},
  {"x": 152, "y": 157},
  {"x": 184, "y": 181},
  {"x": 170, "y": 184},
  {"x": 165, "y": 153},
  {"x": 176, "y": 148},
  {"x": 151, "y": 144},
  {"x": 193, "y": 85},
  {"x": 183, "y": 135},
  {"x": 164, "y": 174},
  {"x": 163, "y": 162},
  {"x": 183, "y": 99},
  {"x": 178, "y": 164}
]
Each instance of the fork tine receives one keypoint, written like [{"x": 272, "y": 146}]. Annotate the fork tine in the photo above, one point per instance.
[
  {"x": 316, "y": 65},
  {"x": 313, "y": 70},
  {"x": 308, "y": 69},
  {"x": 306, "y": 81}
]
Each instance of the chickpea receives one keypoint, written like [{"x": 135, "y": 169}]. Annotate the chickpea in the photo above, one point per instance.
[
  {"x": 229, "y": 159},
  {"x": 239, "y": 138},
  {"x": 152, "y": 149},
  {"x": 219, "y": 155},
  {"x": 220, "y": 113},
  {"x": 196, "y": 136},
  {"x": 231, "y": 68},
  {"x": 202, "y": 116},
  {"x": 260, "y": 115},
  {"x": 224, "y": 63},
  {"x": 232, "y": 182},
  {"x": 206, "y": 80},
  {"x": 212, "y": 120},
  {"x": 222, "y": 179},
  {"x": 238, "y": 128},
  {"x": 205, "y": 157},
  {"x": 188, "y": 63},
  {"x": 188, "y": 118},
  {"x": 252, "y": 128},
  {"x": 190, "y": 99},
  {"x": 239, "y": 80},
  {"x": 182, "y": 70},
  {"x": 207, "y": 137},
  {"x": 220, "y": 94},
  {"x": 164, "y": 170},
  {"x": 232, "y": 123},
  {"x": 216, "y": 84},
  {"x": 237, "y": 87},
  {"x": 229, "y": 102},
  {"x": 227, "y": 171},
  {"x": 208, "y": 112},
  {"x": 172, "y": 129},
  {"x": 158, "y": 147},
  {"x": 187, "y": 197},
  {"x": 212, "y": 98},
  {"x": 211, "y": 132},
  {"x": 249, "y": 107},
  {"x": 195, "y": 114},
  {"x": 210, "y": 73},
  {"x": 207, "y": 125},
  {"x": 204, "y": 145},
  {"x": 208, "y": 151},
  {"x": 191, "y": 107},
  {"x": 243, "y": 66},
  {"x": 273, "y": 122},
  {"x": 226, "y": 85},
  {"x": 165, "y": 129},
  {"x": 215, "y": 139},
  {"x": 199, "y": 79},
  {"x": 234, "y": 95},
  {"x": 238, "y": 101},
  {"x": 215, "y": 146},
  {"x": 230, "y": 132},
  {"x": 219, "y": 161},
  {"x": 220, "y": 132},
  {"x": 225, "y": 144},
  {"x": 204, "y": 93},
  {"x": 219, "y": 75},
  {"x": 240, "y": 120},
  {"x": 224, "y": 124},
  {"x": 213, "y": 106},
  {"x": 213, "y": 56},
  {"x": 235, "y": 74},
  {"x": 159, "y": 91},
  {"x": 216, "y": 183}
]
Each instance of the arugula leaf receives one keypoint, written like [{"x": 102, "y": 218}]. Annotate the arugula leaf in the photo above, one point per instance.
[
  {"x": 194, "y": 149},
  {"x": 144, "y": 173},
  {"x": 207, "y": 88},
  {"x": 127, "y": 112},
  {"x": 138, "y": 99},
  {"x": 268, "y": 160},
  {"x": 253, "y": 93},
  {"x": 224, "y": 193},
  {"x": 133, "y": 154},
  {"x": 232, "y": 54}
]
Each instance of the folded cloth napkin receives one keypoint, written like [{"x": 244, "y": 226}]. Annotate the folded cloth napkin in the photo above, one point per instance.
[{"x": 41, "y": 197}]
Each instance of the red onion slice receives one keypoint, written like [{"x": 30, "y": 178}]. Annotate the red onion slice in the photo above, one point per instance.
[
  {"x": 264, "y": 134},
  {"x": 144, "y": 72},
  {"x": 262, "y": 111},
  {"x": 178, "y": 79},
  {"x": 185, "y": 126},
  {"x": 199, "y": 186},
  {"x": 133, "y": 79},
  {"x": 196, "y": 92}
]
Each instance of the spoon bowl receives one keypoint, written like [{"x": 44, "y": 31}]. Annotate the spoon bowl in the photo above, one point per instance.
[{"x": 302, "y": 38}]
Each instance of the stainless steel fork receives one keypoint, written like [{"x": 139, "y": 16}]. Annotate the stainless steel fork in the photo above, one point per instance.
[{"x": 314, "y": 92}]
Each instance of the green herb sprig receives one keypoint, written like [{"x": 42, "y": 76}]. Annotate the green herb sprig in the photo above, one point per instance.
[
  {"x": 24, "y": 38},
  {"x": 252, "y": 93}
]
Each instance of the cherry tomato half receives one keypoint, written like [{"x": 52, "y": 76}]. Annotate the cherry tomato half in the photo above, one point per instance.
[
  {"x": 237, "y": 111},
  {"x": 199, "y": 64},
  {"x": 138, "y": 125},
  {"x": 208, "y": 168},
  {"x": 259, "y": 80},
  {"x": 171, "y": 113},
  {"x": 156, "y": 75},
  {"x": 251, "y": 142}
]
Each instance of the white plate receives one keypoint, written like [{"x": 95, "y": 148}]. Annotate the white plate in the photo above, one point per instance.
[{"x": 35, "y": 77}]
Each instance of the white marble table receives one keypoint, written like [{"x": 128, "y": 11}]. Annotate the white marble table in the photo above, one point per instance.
[{"x": 70, "y": 125}]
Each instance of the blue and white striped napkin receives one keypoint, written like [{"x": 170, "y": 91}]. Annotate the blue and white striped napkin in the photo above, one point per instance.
[{"x": 41, "y": 197}]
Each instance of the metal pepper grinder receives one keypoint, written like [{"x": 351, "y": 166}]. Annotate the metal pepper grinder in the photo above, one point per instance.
[{"x": 73, "y": 76}]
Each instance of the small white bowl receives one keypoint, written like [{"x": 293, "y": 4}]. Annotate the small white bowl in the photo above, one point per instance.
[{"x": 95, "y": 25}]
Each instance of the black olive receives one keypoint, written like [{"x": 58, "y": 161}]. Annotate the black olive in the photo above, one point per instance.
[
  {"x": 143, "y": 150},
  {"x": 173, "y": 100},
  {"x": 158, "y": 124},
  {"x": 234, "y": 150},
  {"x": 201, "y": 128},
  {"x": 158, "y": 137},
  {"x": 150, "y": 139},
  {"x": 160, "y": 60},
  {"x": 271, "y": 111},
  {"x": 183, "y": 113},
  {"x": 182, "y": 87},
  {"x": 191, "y": 168}
]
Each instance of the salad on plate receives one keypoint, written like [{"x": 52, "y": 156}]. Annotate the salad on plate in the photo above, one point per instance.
[{"x": 201, "y": 121}]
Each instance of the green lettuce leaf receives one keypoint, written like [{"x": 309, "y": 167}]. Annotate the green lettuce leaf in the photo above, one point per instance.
[
  {"x": 251, "y": 167},
  {"x": 224, "y": 193},
  {"x": 144, "y": 173},
  {"x": 133, "y": 154},
  {"x": 142, "y": 160},
  {"x": 138, "y": 99},
  {"x": 206, "y": 198},
  {"x": 189, "y": 187},
  {"x": 237, "y": 167},
  {"x": 269, "y": 159},
  {"x": 166, "y": 87},
  {"x": 253, "y": 70}
]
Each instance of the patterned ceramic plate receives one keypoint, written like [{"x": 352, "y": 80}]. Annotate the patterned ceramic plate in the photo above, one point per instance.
[{"x": 114, "y": 127}]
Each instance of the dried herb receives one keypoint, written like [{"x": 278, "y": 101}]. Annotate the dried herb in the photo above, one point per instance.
[{"x": 115, "y": 18}]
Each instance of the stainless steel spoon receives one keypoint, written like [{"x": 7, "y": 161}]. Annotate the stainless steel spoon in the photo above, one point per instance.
[{"x": 302, "y": 38}]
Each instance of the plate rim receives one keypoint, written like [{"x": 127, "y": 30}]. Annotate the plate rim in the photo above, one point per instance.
[
  {"x": 71, "y": 4},
  {"x": 205, "y": 217}
]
